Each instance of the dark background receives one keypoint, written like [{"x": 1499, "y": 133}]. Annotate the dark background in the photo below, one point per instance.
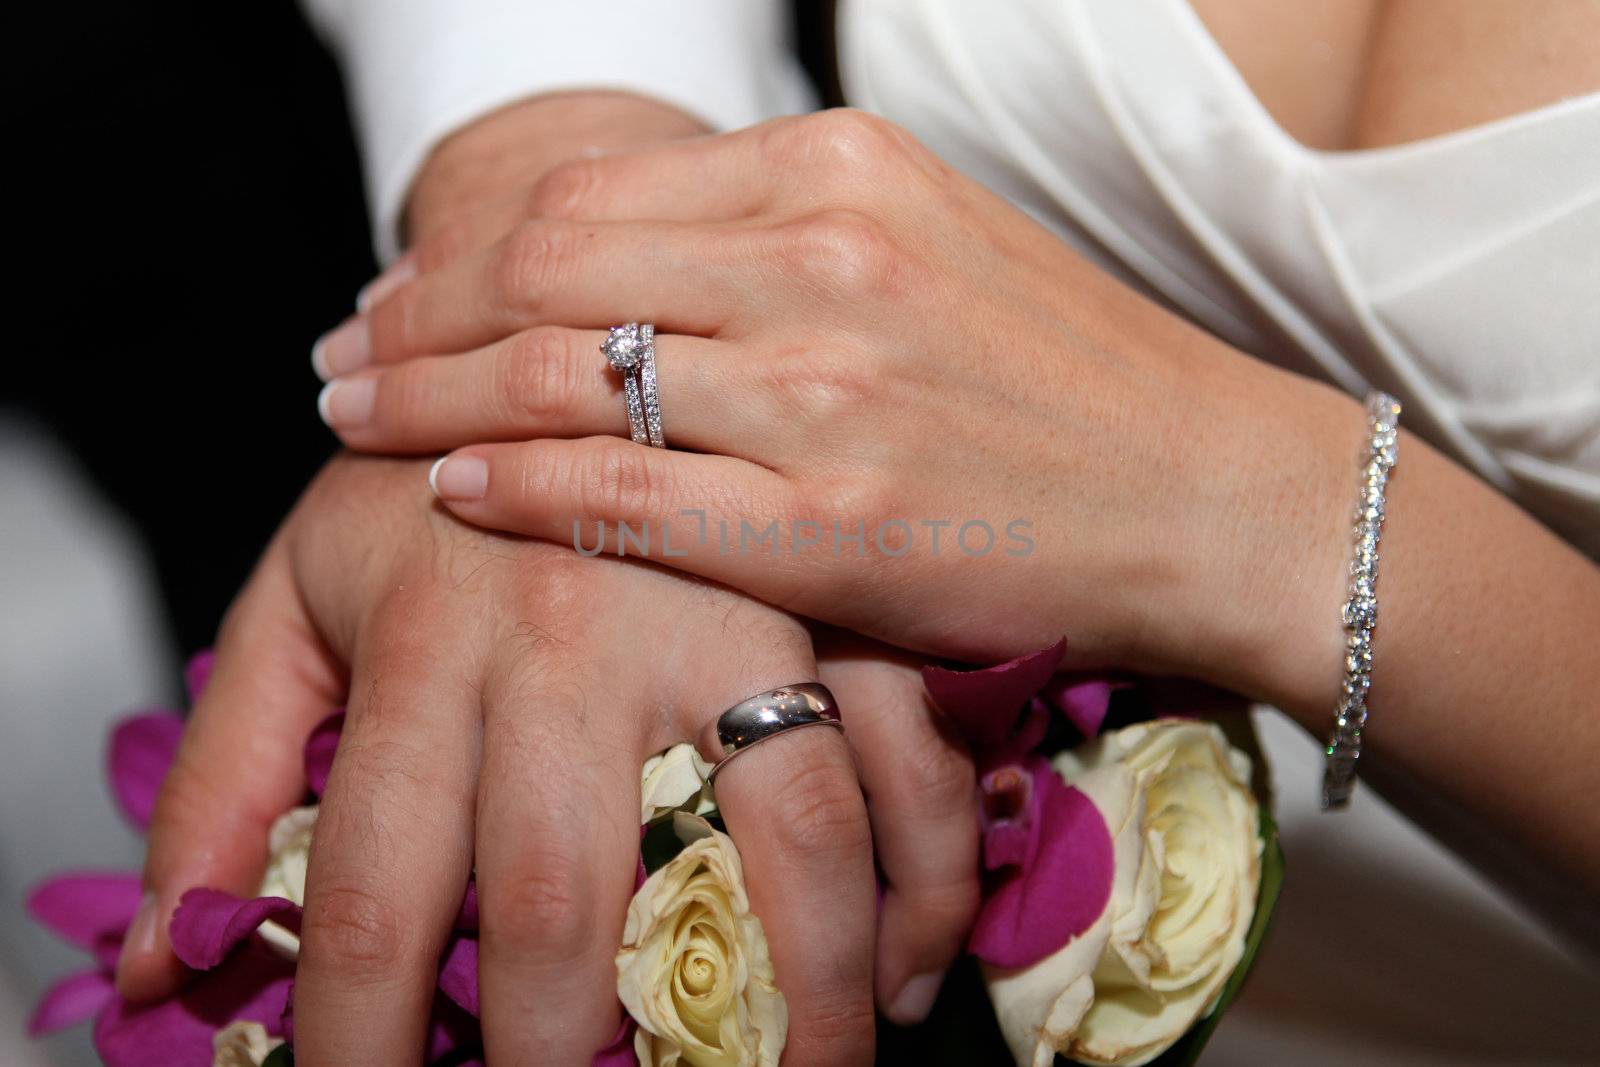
[{"x": 185, "y": 217}]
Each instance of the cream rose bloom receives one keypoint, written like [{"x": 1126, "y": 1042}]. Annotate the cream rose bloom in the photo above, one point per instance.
[
  {"x": 694, "y": 970},
  {"x": 289, "y": 849},
  {"x": 1185, "y": 829},
  {"x": 242, "y": 1044},
  {"x": 677, "y": 778}
]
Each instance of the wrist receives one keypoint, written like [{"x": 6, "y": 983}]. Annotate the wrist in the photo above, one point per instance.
[
  {"x": 508, "y": 150},
  {"x": 1262, "y": 568}
]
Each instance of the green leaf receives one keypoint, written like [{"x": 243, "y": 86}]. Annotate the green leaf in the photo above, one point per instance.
[
  {"x": 282, "y": 1056},
  {"x": 659, "y": 844}
]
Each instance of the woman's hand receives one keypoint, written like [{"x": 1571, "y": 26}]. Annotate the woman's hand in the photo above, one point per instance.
[
  {"x": 502, "y": 696},
  {"x": 855, "y": 334},
  {"x": 866, "y": 344}
]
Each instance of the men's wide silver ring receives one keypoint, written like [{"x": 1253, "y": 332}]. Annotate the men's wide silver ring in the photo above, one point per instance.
[{"x": 764, "y": 716}]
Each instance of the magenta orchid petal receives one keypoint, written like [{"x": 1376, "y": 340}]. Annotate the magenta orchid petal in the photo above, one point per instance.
[
  {"x": 107, "y": 951},
  {"x": 458, "y": 973},
  {"x": 209, "y": 924},
  {"x": 985, "y": 704},
  {"x": 467, "y": 917},
  {"x": 87, "y": 909},
  {"x": 1060, "y": 888},
  {"x": 142, "y": 750},
  {"x": 1084, "y": 703},
  {"x": 286, "y": 1020},
  {"x": 251, "y": 985},
  {"x": 1008, "y": 816},
  {"x": 320, "y": 747},
  {"x": 620, "y": 1052},
  {"x": 70, "y": 1001},
  {"x": 449, "y": 1029},
  {"x": 197, "y": 672}
]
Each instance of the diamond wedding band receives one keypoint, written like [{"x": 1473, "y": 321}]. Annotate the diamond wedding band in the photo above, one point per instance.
[{"x": 631, "y": 349}]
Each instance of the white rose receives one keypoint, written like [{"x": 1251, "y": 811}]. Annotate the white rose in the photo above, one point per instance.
[
  {"x": 242, "y": 1044},
  {"x": 289, "y": 849},
  {"x": 1184, "y": 825},
  {"x": 694, "y": 970},
  {"x": 678, "y": 778}
]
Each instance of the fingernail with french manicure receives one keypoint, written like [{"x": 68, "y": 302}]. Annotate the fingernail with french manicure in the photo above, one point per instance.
[
  {"x": 400, "y": 271},
  {"x": 459, "y": 478},
  {"x": 346, "y": 403},
  {"x": 916, "y": 999},
  {"x": 342, "y": 350}
]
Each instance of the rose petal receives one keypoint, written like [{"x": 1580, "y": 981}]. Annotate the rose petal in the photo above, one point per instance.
[
  {"x": 985, "y": 704},
  {"x": 209, "y": 924},
  {"x": 320, "y": 747},
  {"x": 197, "y": 672},
  {"x": 142, "y": 750},
  {"x": 251, "y": 985},
  {"x": 70, "y": 1001},
  {"x": 1059, "y": 890},
  {"x": 87, "y": 909},
  {"x": 1084, "y": 703},
  {"x": 458, "y": 973}
]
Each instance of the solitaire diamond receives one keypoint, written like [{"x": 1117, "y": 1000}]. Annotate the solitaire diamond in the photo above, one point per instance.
[{"x": 623, "y": 347}]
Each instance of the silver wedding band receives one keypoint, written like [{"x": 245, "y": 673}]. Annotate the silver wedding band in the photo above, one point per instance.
[
  {"x": 764, "y": 716},
  {"x": 631, "y": 350}
]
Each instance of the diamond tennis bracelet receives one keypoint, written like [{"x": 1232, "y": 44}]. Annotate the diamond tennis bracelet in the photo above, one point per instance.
[{"x": 1361, "y": 609}]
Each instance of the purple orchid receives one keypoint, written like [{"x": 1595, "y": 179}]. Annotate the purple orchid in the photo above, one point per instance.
[
  {"x": 1046, "y": 847},
  {"x": 240, "y": 977}
]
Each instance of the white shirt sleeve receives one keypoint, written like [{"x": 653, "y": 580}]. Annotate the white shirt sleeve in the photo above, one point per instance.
[{"x": 416, "y": 70}]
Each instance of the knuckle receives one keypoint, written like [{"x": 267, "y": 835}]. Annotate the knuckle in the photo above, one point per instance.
[
  {"x": 823, "y": 812},
  {"x": 402, "y": 399},
  {"x": 944, "y": 907},
  {"x": 528, "y": 264},
  {"x": 838, "y": 1027},
  {"x": 936, "y": 782},
  {"x": 545, "y": 907},
  {"x": 843, "y": 140},
  {"x": 835, "y": 388},
  {"x": 537, "y": 373},
  {"x": 352, "y": 928},
  {"x": 847, "y": 253},
  {"x": 563, "y": 190},
  {"x": 395, "y": 327},
  {"x": 563, "y": 586},
  {"x": 612, "y": 480},
  {"x": 444, "y": 245}
]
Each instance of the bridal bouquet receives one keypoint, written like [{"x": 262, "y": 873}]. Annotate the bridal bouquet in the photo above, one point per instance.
[{"x": 1129, "y": 877}]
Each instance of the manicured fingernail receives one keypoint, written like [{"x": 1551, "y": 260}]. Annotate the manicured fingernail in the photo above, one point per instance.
[
  {"x": 459, "y": 478},
  {"x": 916, "y": 999},
  {"x": 342, "y": 350},
  {"x": 142, "y": 931},
  {"x": 400, "y": 271},
  {"x": 346, "y": 403}
]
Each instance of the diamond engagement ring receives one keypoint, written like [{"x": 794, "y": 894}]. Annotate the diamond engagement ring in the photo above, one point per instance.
[
  {"x": 631, "y": 349},
  {"x": 764, "y": 716}
]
